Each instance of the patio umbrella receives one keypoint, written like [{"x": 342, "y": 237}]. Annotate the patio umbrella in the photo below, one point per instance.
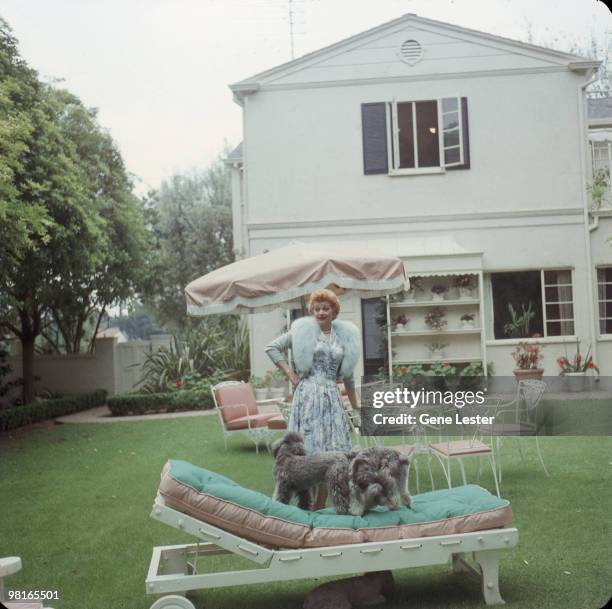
[{"x": 284, "y": 275}]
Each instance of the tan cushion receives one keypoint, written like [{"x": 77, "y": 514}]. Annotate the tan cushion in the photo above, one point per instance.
[
  {"x": 230, "y": 395},
  {"x": 277, "y": 422},
  {"x": 456, "y": 448},
  {"x": 257, "y": 420}
]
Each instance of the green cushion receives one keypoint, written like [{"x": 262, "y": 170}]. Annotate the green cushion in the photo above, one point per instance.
[{"x": 427, "y": 507}]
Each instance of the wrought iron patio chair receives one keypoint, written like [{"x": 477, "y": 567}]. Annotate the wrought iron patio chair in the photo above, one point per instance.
[
  {"x": 476, "y": 441},
  {"x": 239, "y": 412},
  {"x": 522, "y": 416}
]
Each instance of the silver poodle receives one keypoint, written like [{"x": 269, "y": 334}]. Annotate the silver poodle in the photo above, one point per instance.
[
  {"x": 377, "y": 476},
  {"x": 295, "y": 472},
  {"x": 357, "y": 481}
]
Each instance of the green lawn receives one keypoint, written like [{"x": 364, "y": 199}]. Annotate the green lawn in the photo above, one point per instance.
[{"x": 75, "y": 503}]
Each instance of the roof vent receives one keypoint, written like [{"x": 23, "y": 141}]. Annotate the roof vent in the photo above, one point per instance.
[{"x": 411, "y": 52}]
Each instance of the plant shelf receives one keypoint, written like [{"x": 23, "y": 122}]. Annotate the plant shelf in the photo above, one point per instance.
[
  {"x": 434, "y": 303},
  {"x": 437, "y": 332}
]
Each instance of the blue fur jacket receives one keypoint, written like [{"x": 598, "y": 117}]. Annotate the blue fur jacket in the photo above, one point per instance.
[{"x": 302, "y": 339}]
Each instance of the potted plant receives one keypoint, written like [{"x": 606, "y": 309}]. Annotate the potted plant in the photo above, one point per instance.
[
  {"x": 518, "y": 326},
  {"x": 438, "y": 291},
  {"x": 260, "y": 386},
  {"x": 435, "y": 319},
  {"x": 400, "y": 322},
  {"x": 598, "y": 188},
  {"x": 527, "y": 357},
  {"x": 464, "y": 285},
  {"x": 436, "y": 350},
  {"x": 575, "y": 371},
  {"x": 416, "y": 287},
  {"x": 467, "y": 320},
  {"x": 278, "y": 383}
]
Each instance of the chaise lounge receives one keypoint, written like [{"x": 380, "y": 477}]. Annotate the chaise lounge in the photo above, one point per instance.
[{"x": 288, "y": 543}]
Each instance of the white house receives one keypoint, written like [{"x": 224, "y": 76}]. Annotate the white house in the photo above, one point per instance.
[{"x": 462, "y": 152}]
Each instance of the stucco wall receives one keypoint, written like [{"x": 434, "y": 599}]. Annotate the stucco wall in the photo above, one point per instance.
[
  {"x": 304, "y": 151},
  {"x": 113, "y": 366}
]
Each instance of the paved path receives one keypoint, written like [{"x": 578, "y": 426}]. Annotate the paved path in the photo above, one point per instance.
[{"x": 101, "y": 414}]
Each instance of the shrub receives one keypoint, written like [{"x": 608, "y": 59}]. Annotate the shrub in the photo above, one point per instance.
[
  {"x": 129, "y": 404},
  {"x": 210, "y": 347},
  {"x": 12, "y": 418}
]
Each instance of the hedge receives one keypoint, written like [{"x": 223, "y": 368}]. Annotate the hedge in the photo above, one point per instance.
[
  {"x": 17, "y": 416},
  {"x": 170, "y": 401}
]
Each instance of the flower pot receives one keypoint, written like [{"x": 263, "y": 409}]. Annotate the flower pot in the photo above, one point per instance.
[
  {"x": 437, "y": 355},
  {"x": 466, "y": 325},
  {"x": 529, "y": 373},
  {"x": 575, "y": 381},
  {"x": 410, "y": 297},
  {"x": 278, "y": 392},
  {"x": 465, "y": 293},
  {"x": 401, "y": 327},
  {"x": 437, "y": 297},
  {"x": 261, "y": 393}
]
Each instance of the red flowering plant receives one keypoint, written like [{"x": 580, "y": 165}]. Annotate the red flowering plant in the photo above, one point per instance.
[
  {"x": 527, "y": 355},
  {"x": 578, "y": 363}
]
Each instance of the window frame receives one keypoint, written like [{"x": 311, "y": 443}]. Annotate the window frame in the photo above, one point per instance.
[
  {"x": 545, "y": 337},
  {"x": 393, "y": 157},
  {"x": 600, "y": 334}
]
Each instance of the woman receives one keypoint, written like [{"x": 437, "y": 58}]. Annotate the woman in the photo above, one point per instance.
[{"x": 324, "y": 349}]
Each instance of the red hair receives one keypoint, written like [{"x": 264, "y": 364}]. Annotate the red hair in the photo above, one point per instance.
[{"x": 324, "y": 295}]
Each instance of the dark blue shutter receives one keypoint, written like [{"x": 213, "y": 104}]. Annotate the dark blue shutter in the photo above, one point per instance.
[
  {"x": 466, "y": 137},
  {"x": 374, "y": 132}
]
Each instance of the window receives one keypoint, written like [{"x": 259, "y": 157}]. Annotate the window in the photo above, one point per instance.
[
  {"x": 532, "y": 302},
  {"x": 373, "y": 320},
  {"x": 604, "y": 291},
  {"x": 407, "y": 137}
]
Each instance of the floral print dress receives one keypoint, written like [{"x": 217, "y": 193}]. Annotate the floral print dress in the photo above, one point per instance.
[{"x": 317, "y": 410}]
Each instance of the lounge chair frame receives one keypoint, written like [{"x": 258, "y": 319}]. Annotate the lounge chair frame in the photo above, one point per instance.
[{"x": 173, "y": 568}]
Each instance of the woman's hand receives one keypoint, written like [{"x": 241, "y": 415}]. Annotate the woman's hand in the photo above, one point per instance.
[
  {"x": 294, "y": 378},
  {"x": 292, "y": 375}
]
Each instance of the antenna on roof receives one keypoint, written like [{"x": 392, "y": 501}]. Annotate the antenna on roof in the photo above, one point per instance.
[{"x": 291, "y": 28}]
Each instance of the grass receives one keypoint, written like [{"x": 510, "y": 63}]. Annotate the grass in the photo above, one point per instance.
[{"x": 75, "y": 503}]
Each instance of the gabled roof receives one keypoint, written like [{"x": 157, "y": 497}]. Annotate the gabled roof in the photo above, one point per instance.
[{"x": 570, "y": 61}]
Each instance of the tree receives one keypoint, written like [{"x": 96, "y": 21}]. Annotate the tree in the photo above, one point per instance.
[
  {"x": 78, "y": 242},
  {"x": 191, "y": 227},
  {"x": 20, "y": 224},
  {"x": 49, "y": 178},
  {"x": 117, "y": 270}
]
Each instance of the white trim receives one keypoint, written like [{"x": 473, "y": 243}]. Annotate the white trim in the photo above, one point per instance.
[
  {"x": 351, "y": 82},
  {"x": 416, "y": 171},
  {"x": 344, "y": 221},
  {"x": 543, "y": 340}
]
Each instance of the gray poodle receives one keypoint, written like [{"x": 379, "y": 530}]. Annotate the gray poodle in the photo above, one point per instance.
[
  {"x": 377, "y": 476},
  {"x": 357, "y": 481},
  {"x": 374, "y": 476},
  {"x": 295, "y": 472}
]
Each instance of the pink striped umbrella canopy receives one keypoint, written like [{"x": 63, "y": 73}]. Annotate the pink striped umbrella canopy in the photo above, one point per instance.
[{"x": 283, "y": 275}]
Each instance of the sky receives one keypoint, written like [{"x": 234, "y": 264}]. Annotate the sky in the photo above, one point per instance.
[{"x": 158, "y": 70}]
